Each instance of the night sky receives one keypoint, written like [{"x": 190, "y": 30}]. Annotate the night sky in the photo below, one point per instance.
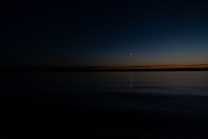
[{"x": 104, "y": 33}]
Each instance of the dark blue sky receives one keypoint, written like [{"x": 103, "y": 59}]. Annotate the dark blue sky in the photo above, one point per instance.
[{"x": 104, "y": 33}]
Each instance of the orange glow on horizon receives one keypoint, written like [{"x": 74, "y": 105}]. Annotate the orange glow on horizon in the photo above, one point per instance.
[{"x": 172, "y": 66}]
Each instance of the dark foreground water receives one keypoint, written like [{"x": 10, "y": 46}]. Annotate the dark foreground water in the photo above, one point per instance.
[{"x": 150, "y": 105}]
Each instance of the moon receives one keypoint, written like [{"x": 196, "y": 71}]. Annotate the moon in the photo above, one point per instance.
[{"x": 131, "y": 54}]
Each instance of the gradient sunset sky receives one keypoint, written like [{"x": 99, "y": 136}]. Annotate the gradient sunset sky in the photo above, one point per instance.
[{"x": 104, "y": 33}]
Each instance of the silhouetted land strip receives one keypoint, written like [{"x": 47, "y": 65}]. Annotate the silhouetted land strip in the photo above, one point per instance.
[{"x": 93, "y": 70}]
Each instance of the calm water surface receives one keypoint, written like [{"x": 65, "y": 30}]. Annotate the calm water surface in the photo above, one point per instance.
[
  {"x": 175, "y": 83},
  {"x": 109, "y": 89},
  {"x": 137, "y": 104}
]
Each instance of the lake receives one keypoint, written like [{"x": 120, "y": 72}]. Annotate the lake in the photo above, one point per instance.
[{"x": 105, "y": 104}]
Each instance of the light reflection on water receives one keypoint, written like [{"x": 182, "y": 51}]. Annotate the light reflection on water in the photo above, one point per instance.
[
  {"x": 192, "y": 83},
  {"x": 131, "y": 84},
  {"x": 185, "y": 92},
  {"x": 128, "y": 97}
]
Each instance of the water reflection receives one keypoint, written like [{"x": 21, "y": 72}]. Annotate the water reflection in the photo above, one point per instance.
[{"x": 131, "y": 82}]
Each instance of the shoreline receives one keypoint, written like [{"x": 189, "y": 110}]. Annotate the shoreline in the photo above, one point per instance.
[{"x": 102, "y": 70}]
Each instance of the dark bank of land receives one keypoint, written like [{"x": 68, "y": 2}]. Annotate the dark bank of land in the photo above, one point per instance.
[{"x": 95, "y": 69}]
